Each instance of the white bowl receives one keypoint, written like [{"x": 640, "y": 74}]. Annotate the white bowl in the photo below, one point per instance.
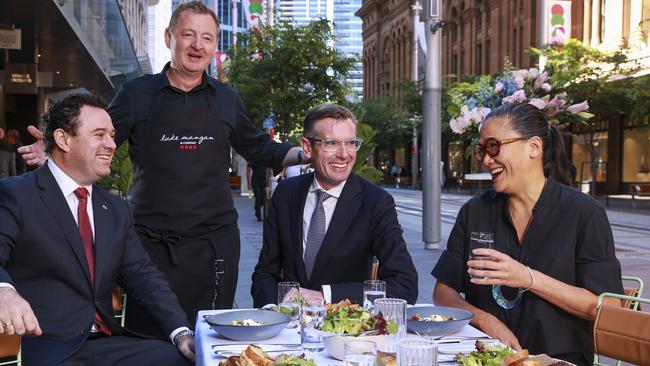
[{"x": 335, "y": 344}]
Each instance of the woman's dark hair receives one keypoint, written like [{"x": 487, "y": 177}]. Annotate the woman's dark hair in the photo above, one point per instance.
[
  {"x": 529, "y": 121},
  {"x": 64, "y": 114}
]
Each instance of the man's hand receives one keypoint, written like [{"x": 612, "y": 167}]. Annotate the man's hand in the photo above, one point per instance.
[
  {"x": 34, "y": 154},
  {"x": 16, "y": 316},
  {"x": 313, "y": 298},
  {"x": 186, "y": 347}
]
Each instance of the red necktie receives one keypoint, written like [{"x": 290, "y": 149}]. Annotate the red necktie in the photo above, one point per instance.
[{"x": 87, "y": 239}]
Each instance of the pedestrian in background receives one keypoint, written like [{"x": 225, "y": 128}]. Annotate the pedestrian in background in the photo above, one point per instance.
[
  {"x": 13, "y": 140},
  {"x": 7, "y": 158}
]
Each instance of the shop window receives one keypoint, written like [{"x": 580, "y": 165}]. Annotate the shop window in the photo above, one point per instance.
[
  {"x": 581, "y": 157},
  {"x": 636, "y": 155}
]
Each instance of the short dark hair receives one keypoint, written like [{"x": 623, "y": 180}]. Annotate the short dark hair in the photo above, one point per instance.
[
  {"x": 529, "y": 121},
  {"x": 64, "y": 114},
  {"x": 334, "y": 111},
  {"x": 194, "y": 6},
  {"x": 13, "y": 133}
]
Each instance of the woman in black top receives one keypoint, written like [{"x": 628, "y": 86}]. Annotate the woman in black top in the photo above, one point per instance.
[{"x": 554, "y": 251}]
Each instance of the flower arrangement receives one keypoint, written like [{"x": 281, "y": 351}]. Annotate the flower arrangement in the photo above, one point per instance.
[{"x": 471, "y": 103}]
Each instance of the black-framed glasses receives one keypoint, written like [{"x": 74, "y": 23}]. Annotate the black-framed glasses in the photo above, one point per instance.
[
  {"x": 492, "y": 147},
  {"x": 331, "y": 145}
]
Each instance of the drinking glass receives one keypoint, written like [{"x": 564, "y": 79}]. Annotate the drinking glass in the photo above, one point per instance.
[
  {"x": 372, "y": 290},
  {"x": 289, "y": 300},
  {"x": 416, "y": 352},
  {"x": 310, "y": 321},
  {"x": 360, "y": 353},
  {"x": 395, "y": 310},
  {"x": 478, "y": 240}
]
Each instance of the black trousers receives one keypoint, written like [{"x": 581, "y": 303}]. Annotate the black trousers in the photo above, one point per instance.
[
  {"x": 259, "y": 190},
  {"x": 201, "y": 272},
  {"x": 126, "y": 351}
]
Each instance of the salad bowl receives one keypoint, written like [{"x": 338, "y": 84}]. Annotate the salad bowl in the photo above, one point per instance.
[
  {"x": 335, "y": 343},
  {"x": 268, "y": 324},
  {"x": 459, "y": 319}
]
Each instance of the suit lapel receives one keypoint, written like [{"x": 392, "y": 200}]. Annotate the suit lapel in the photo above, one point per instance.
[
  {"x": 53, "y": 199},
  {"x": 297, "y": 208},
  {"x": 102, "y": 229},
  {"x": 346, "y": 209}
]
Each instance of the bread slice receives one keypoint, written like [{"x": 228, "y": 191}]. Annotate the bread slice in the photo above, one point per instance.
[
  {"x": 531, "y": 363},
  {"x": 230, "y": 361},
  {"x": 257, "y": 357},
  {"x": 516, "y": 359}
]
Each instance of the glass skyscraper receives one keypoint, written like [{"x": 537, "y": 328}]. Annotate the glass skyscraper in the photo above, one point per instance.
[{"x": 347, "y": 29}]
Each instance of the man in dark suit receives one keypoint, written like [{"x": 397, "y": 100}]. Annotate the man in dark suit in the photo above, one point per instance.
[
  {"x": 64, "y": 243},
  {"x": 324, "y": 228}
]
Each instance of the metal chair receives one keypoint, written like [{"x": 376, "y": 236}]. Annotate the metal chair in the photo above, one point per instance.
[
  {"x": 622, "y": 333},
  {"x": 119, "y": 304},
  {"x": 633, "y": 292},
  {"x": 10, "y": 350}
]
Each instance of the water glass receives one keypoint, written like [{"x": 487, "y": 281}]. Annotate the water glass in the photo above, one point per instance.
[
  {"x": 289, "y": 300},
  {"x": 372, "y": 290},
  {"x": 480, "y": 240},
  {"x": 310, "y": 321},
  {"x": 360, "y": 353},
  {"x": 416, "y": 352},
  {"x": 395, "y": 310}
]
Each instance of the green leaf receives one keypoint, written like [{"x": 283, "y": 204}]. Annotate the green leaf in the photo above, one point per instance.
[{"x": 585, "y": 115}]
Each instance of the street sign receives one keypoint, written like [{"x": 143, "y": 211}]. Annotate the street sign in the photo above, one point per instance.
[{"x": 10, "y": 39}]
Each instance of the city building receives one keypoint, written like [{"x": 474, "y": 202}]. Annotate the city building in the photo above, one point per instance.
[
  {"x": 347, "y": 29},
  {"x": 53, "y": 47},
  {"x": 157, "y": 20},
  {"x": 135, "y": 18}
]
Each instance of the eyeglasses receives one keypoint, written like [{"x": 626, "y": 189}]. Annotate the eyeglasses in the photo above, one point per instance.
[
  {"x": 492, "y": 147},
  {"x": 335, "y": 145}
]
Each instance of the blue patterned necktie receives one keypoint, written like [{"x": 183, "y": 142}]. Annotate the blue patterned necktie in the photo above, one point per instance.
[{"x": 316, "y": 232}]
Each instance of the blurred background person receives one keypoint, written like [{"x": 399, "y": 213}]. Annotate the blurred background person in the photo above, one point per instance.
[
  {"x": 13, "y": 140},
  {"x": 7, "y": 158}
]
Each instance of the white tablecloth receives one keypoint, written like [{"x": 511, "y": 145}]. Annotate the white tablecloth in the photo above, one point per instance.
[{"x": 207, "y": 337}]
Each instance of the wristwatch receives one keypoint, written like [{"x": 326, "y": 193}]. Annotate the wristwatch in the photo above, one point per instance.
[{"x": 181, "y": 334}]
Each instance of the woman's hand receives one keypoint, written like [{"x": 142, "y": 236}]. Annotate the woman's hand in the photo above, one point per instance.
[
  {"x": 493, "y": 327},
  {"x": 501, "y": 269}
]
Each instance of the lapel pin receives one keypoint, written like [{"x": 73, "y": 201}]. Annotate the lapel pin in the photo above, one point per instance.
[{"x": 104, "y": 207}]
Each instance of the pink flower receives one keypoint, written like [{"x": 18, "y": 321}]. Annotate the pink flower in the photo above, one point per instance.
[
  {"x": 577, "y": 108},
  {"x": 533, "y": 73},
  {"x": 546, "y": 87},
  {"x": 557, "y": 101},
  {"x": 538, "y": 102},
  {"x": 541, "y": 79},
  {"x": 456, "y": 126},
  {"x": 517, "y": 97},
  {"x": 520, "y": 82},
  {"x": 498, "y": 87}
]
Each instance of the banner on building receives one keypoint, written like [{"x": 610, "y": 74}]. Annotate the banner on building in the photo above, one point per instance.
[
  {"x": 254, "y": 11},
  {"x": 10, "y": 38},
  {"x": 20, "y": 78},
  {"x": 558, "y": 26}
]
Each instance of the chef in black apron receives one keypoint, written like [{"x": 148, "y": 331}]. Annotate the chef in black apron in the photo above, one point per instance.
[{"x": 180, "y": 138}]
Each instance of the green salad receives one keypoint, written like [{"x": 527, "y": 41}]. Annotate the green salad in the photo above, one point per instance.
[
  {"x": 291, "y": 360},
  {"x": 353, "y": 320},
  {"x": 485, "y": 355}
]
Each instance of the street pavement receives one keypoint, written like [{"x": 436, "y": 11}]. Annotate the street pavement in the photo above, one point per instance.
[{"x": 631, "y": 229}]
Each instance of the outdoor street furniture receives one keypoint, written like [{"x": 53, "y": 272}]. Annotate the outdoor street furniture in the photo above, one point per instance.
[
  {"x": 639, "y": 190},
  {"x": 10, "y": 348}
]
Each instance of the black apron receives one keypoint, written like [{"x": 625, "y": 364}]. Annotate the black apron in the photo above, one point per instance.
[{"x": 182, "y": 206}]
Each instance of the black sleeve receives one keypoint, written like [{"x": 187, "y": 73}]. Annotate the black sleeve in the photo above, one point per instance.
[
  {"x": 395, "y": 264},
  {"x": 266, "y": 276},
  {"x": 254, "y": 144},
  {"x": 121, "y": 114},
  {"x": 452, "y": 266},
  {"x": 9, "y": 228},
  {"x": 597, "y": 268}
]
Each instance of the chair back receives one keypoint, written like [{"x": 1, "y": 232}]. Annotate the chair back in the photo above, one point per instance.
[
  {"x": 621, "y": 333},
  {"x": 10, "y": 347}
]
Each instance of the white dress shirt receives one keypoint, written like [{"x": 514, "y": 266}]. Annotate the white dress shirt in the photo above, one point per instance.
[{"x": 329, "y": 205}]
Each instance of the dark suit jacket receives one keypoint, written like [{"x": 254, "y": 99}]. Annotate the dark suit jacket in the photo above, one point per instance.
[
  {"x": 364, "y": 224},
  {"x": 41, "y": 254}
]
